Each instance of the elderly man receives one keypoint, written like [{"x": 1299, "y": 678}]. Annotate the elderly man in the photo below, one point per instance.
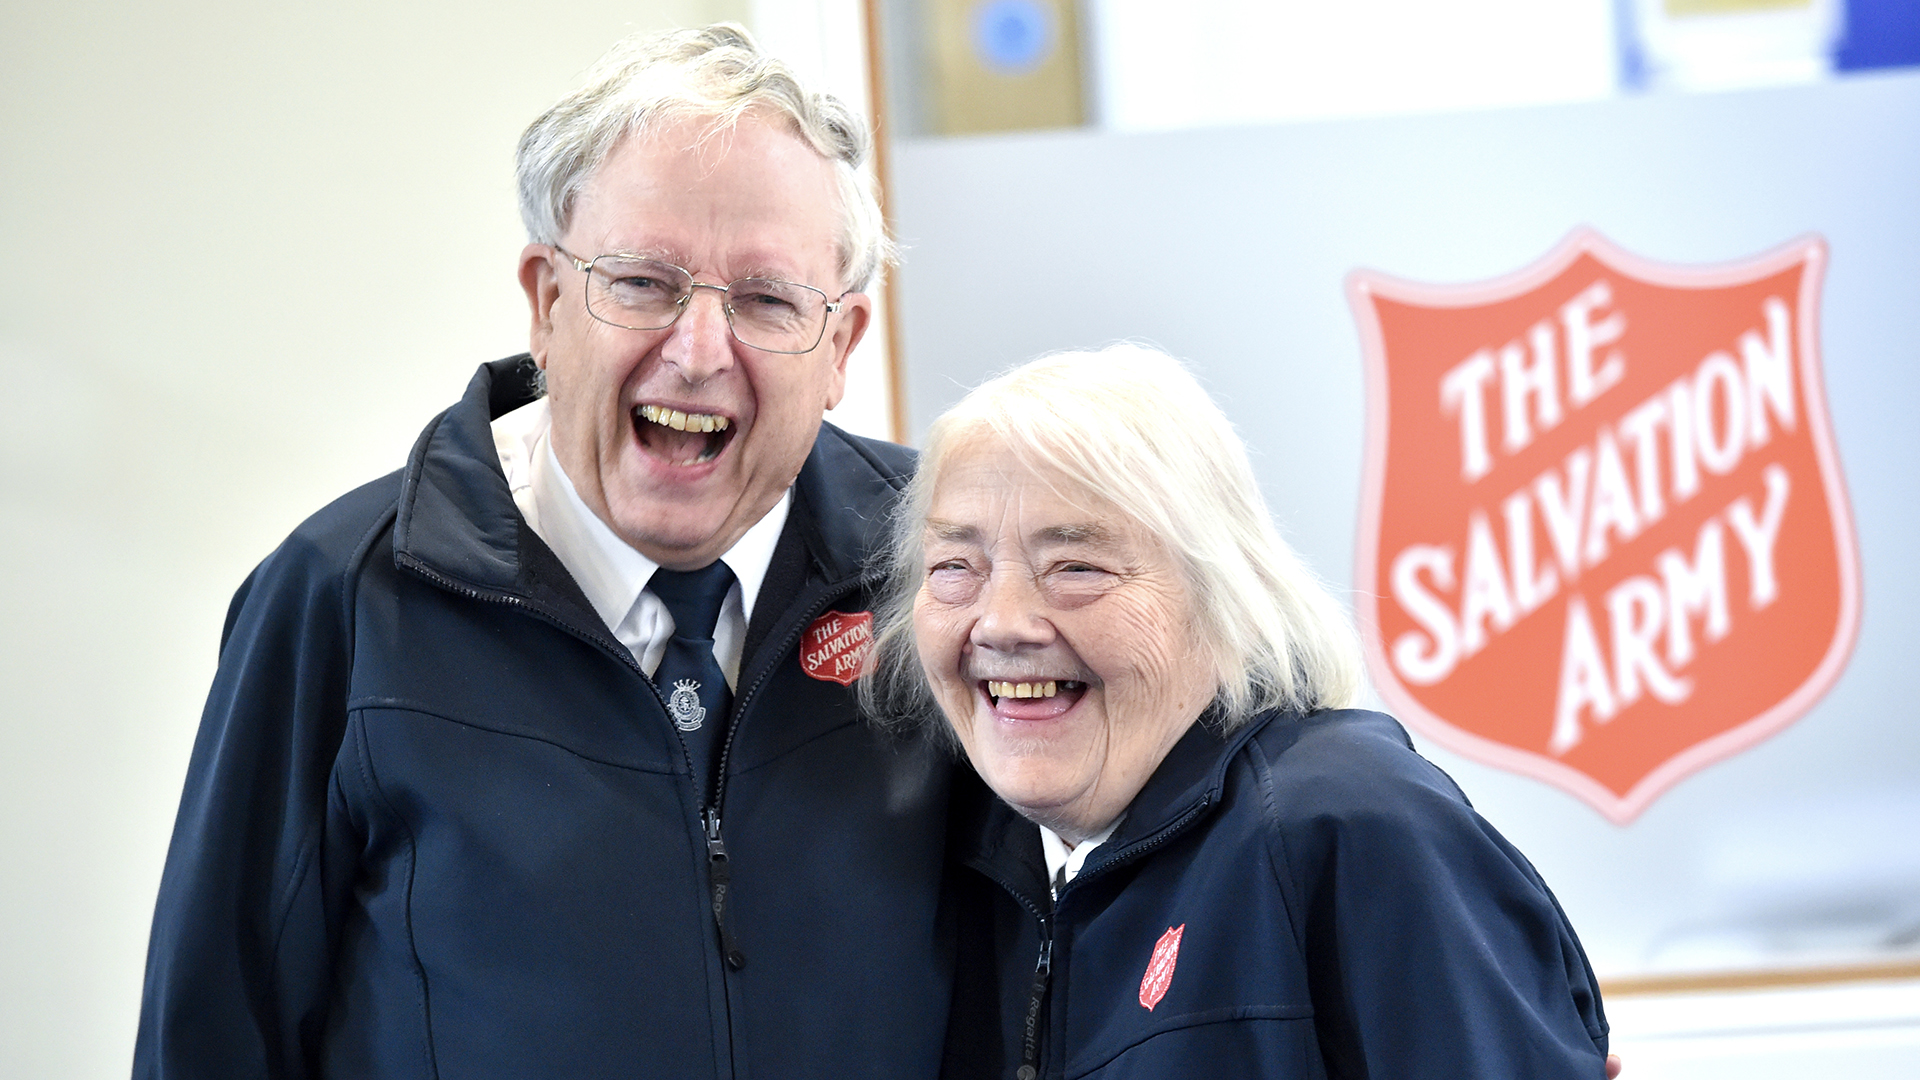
[{"x": 538, "y": 758}]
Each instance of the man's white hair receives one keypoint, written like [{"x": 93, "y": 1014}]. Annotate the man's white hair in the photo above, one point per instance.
[
  {"x": 717, "y": 74},
  {"x": 1131, "y": 426}
]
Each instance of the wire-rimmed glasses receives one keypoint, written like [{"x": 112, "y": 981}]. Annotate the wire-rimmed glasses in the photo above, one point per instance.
[{"x": 646, "y": 294}]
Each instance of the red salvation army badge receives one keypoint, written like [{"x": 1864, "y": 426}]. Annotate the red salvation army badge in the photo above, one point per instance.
[
  {"x": 1604, "y": 538},
  {"x": 835, "y": 646},
  {"x": 1159, "y": 976}
]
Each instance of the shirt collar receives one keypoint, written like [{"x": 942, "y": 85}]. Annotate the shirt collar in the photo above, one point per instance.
[{"x": 1064, "y": 863}]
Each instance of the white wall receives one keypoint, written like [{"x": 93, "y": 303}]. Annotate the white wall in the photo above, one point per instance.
[
  {"x": 1158, "y": 66},
  {"x": 246, "y": 251}
]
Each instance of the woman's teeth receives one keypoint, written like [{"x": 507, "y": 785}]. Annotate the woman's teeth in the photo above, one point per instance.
[{"x": 1029, "y": 689}]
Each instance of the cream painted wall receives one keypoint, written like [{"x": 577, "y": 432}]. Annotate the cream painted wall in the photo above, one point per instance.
[{"x": 246, "y": 251}]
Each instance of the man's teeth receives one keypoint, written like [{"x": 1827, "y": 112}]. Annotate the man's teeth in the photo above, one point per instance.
[
  {"x": 681, "y": 421},
  {"x": 1024, "y": 689}
]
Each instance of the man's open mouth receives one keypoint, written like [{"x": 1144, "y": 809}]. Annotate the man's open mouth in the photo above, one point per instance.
[{"x": 682, "y": 438}]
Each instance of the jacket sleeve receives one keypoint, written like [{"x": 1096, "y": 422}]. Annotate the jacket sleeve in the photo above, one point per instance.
[
  {"x": 1433, "y": 947},
  {"x": 238, "y": 964}
]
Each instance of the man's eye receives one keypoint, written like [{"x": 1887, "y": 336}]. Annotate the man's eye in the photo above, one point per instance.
[
  {"x": 767, "y": 300},
  {"x": 642, "y": 284},
  {"x": 639, "y": 291}
]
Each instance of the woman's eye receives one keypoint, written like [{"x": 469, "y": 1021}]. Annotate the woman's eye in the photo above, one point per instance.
[
  {"x": 1071, "y": 584},
  {"x": 951, "y": 581},
  {"x": 1075, "y": 568}
]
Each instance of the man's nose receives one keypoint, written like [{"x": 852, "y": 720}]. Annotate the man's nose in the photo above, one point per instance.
[
  {"x": 1012, "y": 615},
  {"x": 700, "y": 343}
]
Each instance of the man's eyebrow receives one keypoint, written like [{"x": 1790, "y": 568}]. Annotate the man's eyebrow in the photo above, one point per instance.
[
  {"x": 643, "y": 251},
  {"x": 757, "y": 267}
]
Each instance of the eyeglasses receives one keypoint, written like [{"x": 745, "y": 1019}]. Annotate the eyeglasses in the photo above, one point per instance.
[{"x": 645, "y": 294}]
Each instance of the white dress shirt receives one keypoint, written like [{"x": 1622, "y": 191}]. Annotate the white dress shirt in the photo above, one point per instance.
[
  {"x": 609, "y": 571},
  {"x": 1064, "y": 860}
]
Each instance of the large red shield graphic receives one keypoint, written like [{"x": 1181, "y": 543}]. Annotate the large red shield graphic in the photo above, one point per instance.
[{"x": 1604, "y": 536}]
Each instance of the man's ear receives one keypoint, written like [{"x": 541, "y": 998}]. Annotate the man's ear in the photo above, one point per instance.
[
  {"x": 849, "y": 326},
  {"x": 542, "y": 286}
]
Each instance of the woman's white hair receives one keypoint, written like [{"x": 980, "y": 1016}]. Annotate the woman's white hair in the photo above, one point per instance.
[
  {"x": 1131, "y": 426},
  {"x": 718, "y": 74}
]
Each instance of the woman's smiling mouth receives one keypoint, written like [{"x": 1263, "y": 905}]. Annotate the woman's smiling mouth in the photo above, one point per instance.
[{"x": 1036, "y": 699}]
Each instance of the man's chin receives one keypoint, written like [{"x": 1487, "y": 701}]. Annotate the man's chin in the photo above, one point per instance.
[{"x": 677, "y": 533}]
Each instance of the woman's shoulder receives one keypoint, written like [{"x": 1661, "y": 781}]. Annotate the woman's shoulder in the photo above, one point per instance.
[{"x": 1354, "y": 769}]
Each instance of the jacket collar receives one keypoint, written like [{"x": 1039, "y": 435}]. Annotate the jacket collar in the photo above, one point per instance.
[
  {"x": 1187, "y": 785},
  {"x": 457, "y": 520}
]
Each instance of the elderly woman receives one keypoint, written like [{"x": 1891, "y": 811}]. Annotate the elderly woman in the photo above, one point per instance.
[{"x": 1200, "y": 860}]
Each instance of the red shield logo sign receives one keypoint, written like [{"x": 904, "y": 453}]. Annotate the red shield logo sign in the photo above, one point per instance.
[
  {"x": 1604, "y": 537},
  {"x": 835, "y": 646},
  {"x": 1159, "y": 976}
]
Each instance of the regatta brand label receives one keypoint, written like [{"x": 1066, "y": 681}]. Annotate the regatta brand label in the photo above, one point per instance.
[
  {"x": 1159, "y": 976},
  {"x": 835, "y": 646},
  {"x": 1604, "y": 540}
]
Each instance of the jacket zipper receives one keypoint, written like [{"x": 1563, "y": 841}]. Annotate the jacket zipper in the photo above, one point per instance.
[
  {"x": 718, "y": 873},
  {"x": 1033, "y": 1029},
  {"x": 1165, "y": 833},
  {"x": 612, "y": 648},
  {"x": 721, "y": 877},
  {"x": 1030, "y": 1031}
]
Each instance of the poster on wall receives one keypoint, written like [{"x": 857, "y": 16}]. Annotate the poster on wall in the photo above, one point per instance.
[{"x": 1603, "y": 492}]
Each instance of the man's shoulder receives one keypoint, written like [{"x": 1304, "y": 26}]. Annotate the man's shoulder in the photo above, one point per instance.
[
  {"x": 344, "y": 523},
  {"x": 334, "y": 539},
  {"x": 888, "y": 461}
]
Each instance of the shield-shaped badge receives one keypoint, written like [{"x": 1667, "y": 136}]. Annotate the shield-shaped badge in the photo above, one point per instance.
[{"x": 1604, "y": 538}]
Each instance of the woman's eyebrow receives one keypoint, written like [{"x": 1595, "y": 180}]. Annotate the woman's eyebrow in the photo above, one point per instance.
[
  {"x": 1085, "y": 532},
  {"x": 953, "y": 531}
]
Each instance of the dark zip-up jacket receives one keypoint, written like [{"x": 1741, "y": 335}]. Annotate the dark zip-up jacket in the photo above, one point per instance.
[
  {"x": 1309, "y": 898},
  {"x": 438, "y": 824}
]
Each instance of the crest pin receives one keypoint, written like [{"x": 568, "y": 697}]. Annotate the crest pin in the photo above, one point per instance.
[{"x": 684, "y": 705}]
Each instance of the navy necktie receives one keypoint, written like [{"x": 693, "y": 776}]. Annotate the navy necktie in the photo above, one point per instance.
[{"x": 689, "y": 679}]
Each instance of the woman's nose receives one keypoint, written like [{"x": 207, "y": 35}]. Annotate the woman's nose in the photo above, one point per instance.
[{"x": 1012, "y": 615}]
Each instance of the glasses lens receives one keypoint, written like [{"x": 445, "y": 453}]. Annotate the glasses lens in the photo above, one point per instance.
[
  {"x": 775, "y": 315},
  {"x": 636, "y": 293}
]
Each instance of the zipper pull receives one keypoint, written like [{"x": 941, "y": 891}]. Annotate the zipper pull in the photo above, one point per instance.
[
  {"x": 721, "y": 877},
  {"x": 1030, "y": 1037}
]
